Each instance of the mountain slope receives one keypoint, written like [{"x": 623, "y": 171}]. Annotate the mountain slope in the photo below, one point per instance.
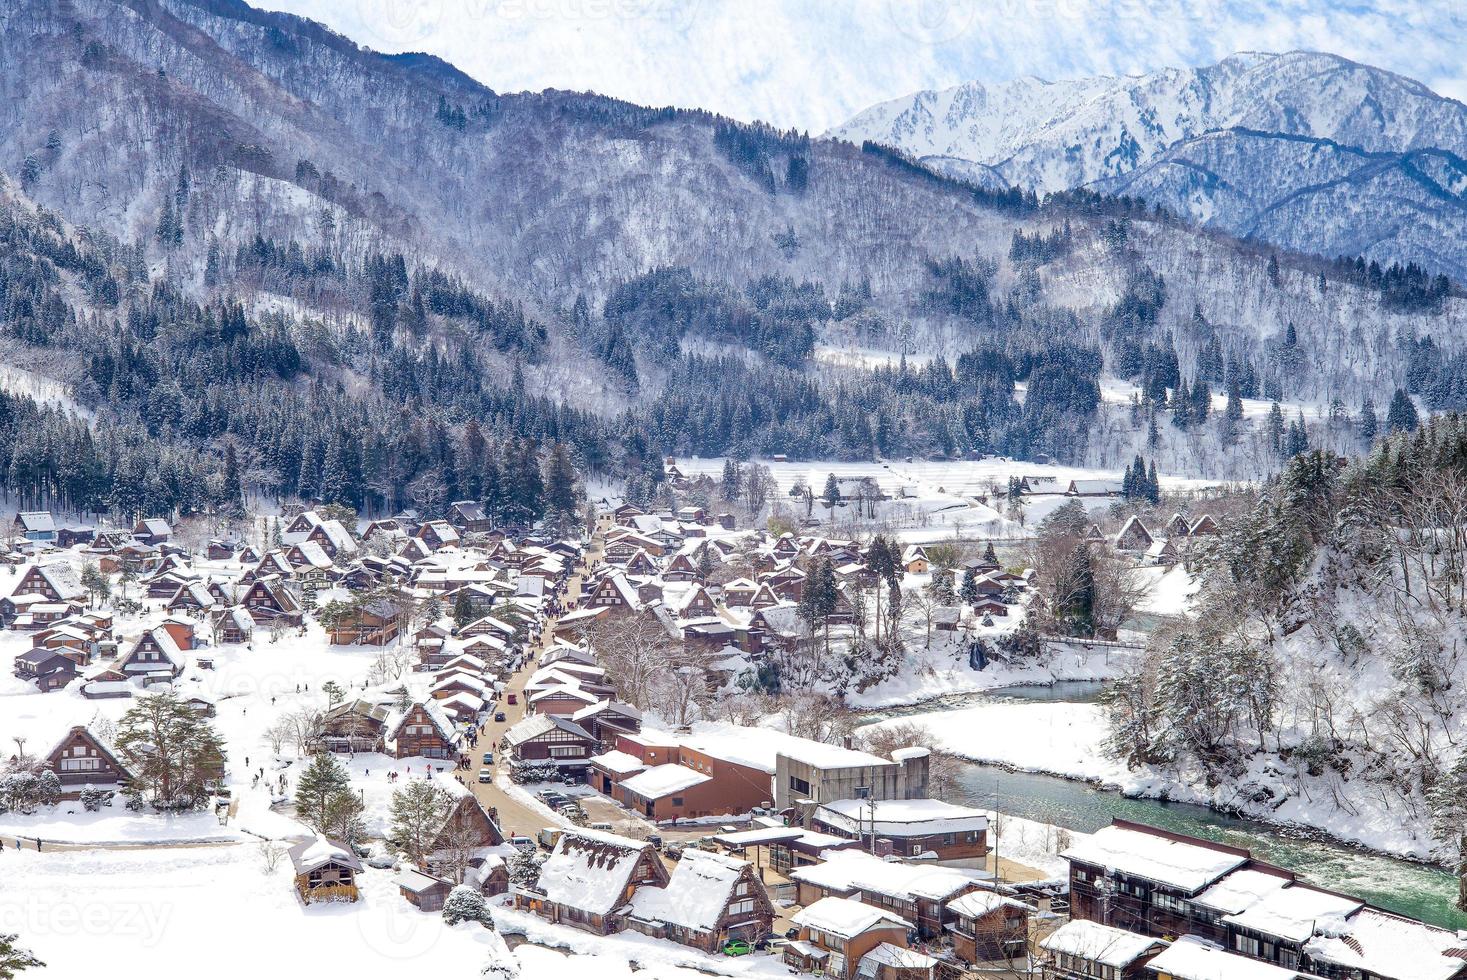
[
  {"x": 1160, "y": 135},
  {"x": 390, "y": 216}
]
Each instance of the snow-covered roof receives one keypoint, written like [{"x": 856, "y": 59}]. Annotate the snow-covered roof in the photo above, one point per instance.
[
  {"x": 901, "y": 818},
  {"x": 1239, "y": 890},
  {"x": 537, "y": 725},
  {"x": 664, "y": 780},
  {"x": 1186, "y": 866},
  {"x": 823, "y": 756},
  {"x": 1389, "y": 946},
  {"x": 309, "y": 855},
  {"x": 1097, "y": 943},
  {"x": 1297, "y": 913},
  {"x": 695, "y": 895},
  {"x": 977, "y": 904},
  {"x": 590, "y": 870},
  {"x": 618, "y": 762},
  {"x": 897, "y": 957},
  {"x": 1194, "y": 958},
  {"x": 850, "y": 870},
  {"x": 845, "y": 918}
]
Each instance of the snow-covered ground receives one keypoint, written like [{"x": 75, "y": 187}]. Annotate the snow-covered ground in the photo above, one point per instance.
[{"x": 217, "y": 912}]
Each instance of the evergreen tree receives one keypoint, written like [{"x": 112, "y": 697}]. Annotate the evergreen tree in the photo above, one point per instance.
[
  {"x": 1401, "y": 416},
  {"x": 463, "y": 612},
  {"x": 729, "y": 485},
  {"x": 969, "y": 589},
  {"x": 13, "y": 957},
  {"x": 1368, "y": 422},
  {"x": 832, "y": 491},
  {"x": 325, "y": 801},
  {"x": 466, "y": 904},
  {"x": 233, "y": 490},
  {"x": 560, "y": 484},
  {"x": 174, "y": 752},
  {"x": 1274, "y": 428},
  {"x": 417, "y": 813}
]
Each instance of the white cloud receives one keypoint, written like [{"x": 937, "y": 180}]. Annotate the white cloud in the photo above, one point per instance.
[{"x": 813, "y": 63}]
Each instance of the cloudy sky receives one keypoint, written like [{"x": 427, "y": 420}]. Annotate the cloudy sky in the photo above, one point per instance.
[{"x": 814, "y": 63}]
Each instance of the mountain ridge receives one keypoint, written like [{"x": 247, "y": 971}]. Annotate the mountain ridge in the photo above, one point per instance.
[{"x": 1125, "y": 135}]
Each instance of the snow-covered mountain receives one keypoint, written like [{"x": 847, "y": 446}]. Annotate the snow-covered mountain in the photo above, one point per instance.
[{"x": 1305, "y": 150}]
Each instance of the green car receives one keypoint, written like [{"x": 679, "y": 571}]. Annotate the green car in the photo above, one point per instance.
[{"x": 736, "y": 947}]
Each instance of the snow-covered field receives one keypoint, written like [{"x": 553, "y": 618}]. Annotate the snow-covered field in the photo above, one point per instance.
[{"x": 216, "y": 911}]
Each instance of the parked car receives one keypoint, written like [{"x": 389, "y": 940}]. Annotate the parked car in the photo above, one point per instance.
[
  {"x": 736, "y": 947},
  {"x": 520, "y": 842},
  {"x": 655, "y": 840},
  {"x": 793, "y": 932},
  {"x": 673, "y": 851},
  {"x": 601, "y": 825},
  {"x": 499, "y": 716},
  {"x": 513, "y": 698},
  {"x": 488, "y": 758},
  {"x": 486, "y": 775}
]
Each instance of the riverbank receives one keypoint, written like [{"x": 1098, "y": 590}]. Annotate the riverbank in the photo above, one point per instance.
[
  {"x": 1066, "y": 739},
  {"x": 942, "y": 674}
]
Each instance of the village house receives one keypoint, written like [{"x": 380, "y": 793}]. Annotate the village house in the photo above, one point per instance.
[
  {"x": 1133, "y": 536},
  {"x": 844, "y": 939},
  {"x": 809, "y": 773},
  {"x": 271, "y": 602},
  {"x": 589, "y": 879},
  {"x": 335, "y": 540},
  {"x": 709, "y": 900},
  {"x": 152, "y": 531},
  {"x": 468, "y": 517},
  {"x": 154, "y": 656},
  {"x": 918, "y": 893},
  {"x": 1085, "y": 950},
  {"x": 423, "y": 891},
  {"x": 35, "y": 525},
  {"x": 375, "y": 623},
  {"x": 354, "y": 726},
  {"x": 550, "y": 738},
  {"x": 421, "y": 730},
  {"x": 920, "y": 828},
  {"x": 436, "y": 535},
  {"x": 988, "y": 925},
  {"x": 83, "y": 759},
  {"x": 325, "y": 871},
  {"x": 50, "y": 669},
  {"x": 233, "y": 625}
]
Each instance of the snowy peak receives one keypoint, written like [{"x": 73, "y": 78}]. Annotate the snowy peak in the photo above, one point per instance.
[
  {"x": 1306, "y": 151},
  {"x": 1053, "y": 135}
]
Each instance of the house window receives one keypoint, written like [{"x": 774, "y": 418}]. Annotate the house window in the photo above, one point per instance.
[
  {"x": 948, "y": 840},
  {"x": 81, "y": 765},
  {"x": 863, "y": 792},
  {"x": 799, "y": 785},
  {"x": 677, "y": 801},
  {"x": 564, "y": 751},
  {"x": 741, "y": 908}
]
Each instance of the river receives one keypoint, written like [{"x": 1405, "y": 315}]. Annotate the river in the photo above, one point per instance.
[{"x": 1405, "y": 887}]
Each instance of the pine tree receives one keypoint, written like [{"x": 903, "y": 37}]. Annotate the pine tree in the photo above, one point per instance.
[
  {"x": 13, "y": 957},
  {"x": 463, "y": 611},
  {"x": 1401, "y": 416},
  {"x": 560, "y": 484},
  {"x": 466, "y": 904},
  {"x": 729, "y": 485},
  {"x": 176, "y": 754},
  {"x": 324, "y": 799},
  {"x": 232, "y": 490},
  {"x": 1368, "y": 424},
  {"x": 1274, "y": 428},
  {"x": 417, "y": 812},
  {"x": 969, "y": 590},
  {"x": 832, "y": 491}
]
